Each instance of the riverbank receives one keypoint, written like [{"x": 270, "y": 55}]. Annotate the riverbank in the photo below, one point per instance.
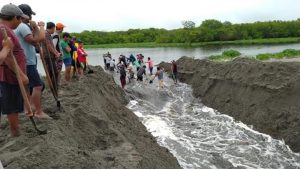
[
  {"x": 201, "y": 44},
  {"x": 263, "y": 94},
  {"x": 93, "y": 129}
]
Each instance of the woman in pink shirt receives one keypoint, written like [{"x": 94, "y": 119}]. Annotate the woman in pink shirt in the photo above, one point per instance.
[{"x": 150, "y": 65}]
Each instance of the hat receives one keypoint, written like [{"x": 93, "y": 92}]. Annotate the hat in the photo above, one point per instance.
[
  {"x": 12, "y": 10},
  {"x": 60, "y": 26},
  {"x": 79, "y": 41},
  {"x": 26, "y": 9}
]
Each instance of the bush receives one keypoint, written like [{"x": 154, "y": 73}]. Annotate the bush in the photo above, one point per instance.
[
  {"x": 231, "y": 53},
  {"x": 264, "y": 56}
]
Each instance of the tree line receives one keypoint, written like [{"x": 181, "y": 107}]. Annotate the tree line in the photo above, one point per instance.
[{"x": 207, "y": 31}]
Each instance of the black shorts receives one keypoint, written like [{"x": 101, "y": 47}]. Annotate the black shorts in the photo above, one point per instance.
[
  {"x": 11, "y": 100},
  {"x": 33, "y": 76},
  {"x": 140, "y": 78},
  {"x": 77, "y": 64}
]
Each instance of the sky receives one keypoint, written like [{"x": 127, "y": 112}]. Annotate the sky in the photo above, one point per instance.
[{"x": 121, "y": 15}]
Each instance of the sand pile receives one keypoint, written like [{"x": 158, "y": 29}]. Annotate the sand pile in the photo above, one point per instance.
[
  {"x": 93, "y": 129},
  {"x": 265, "y": 95}
]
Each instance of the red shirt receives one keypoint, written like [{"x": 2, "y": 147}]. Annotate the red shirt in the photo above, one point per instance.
[
  {"x": 81, "y": 54},
  {"x": 6, "y": 74}
]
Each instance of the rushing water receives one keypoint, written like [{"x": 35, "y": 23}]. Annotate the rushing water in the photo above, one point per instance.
[
  {"x": 167, "y": 54},
  {"x": 201, "y": 137}
]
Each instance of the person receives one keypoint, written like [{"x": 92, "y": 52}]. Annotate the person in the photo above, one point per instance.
[
  {"x": 112, "y": 65},
  {"x": 160, "y": 75},
  {"x": 51, "y": 54},
  {"x": 66, "y": 55},
  {"x": 59, "y": 27},
  {"x": 174, "y": 71},
  {"x": 31, "y": 34},
  {"x": 140, "y": 73},
  {"x": 11, "y": 102},
  {"x": 108, "y": 59},
  {"x": 122, "y": 75},
  {"x": 132, "y": 58},
  {"x": 150, "y": 65},
  {"x": 130, "y": 71},
  {"x": 73, "y": 53},
  {"x": 81, "y": 57},
  {"x": 122, "y": 58}
]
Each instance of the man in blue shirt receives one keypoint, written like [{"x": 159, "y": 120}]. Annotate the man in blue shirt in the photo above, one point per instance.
[{"x": 29, "y": 35}]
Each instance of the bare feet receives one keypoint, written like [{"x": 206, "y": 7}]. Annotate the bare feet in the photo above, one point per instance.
[{"x": 41, "y": 115}]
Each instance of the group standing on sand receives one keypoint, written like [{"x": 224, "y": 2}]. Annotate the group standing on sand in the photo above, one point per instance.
[{"x": 24, "y": 38}]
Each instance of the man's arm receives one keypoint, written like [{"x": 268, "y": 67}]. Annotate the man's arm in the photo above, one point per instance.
[
  {"x": 7, "y": 47},
  {"x": 38, "y": 34},
  {"x": 51, "y": 48}
]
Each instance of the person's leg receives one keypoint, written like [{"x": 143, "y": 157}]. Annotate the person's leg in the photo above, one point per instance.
[
  {"x": 35, "y": 99},
  {"x": 13, "y": 120},
  {"x": 12, "y": 104},
  {"x": 151, "y": 69},
  {"x": 68, "y": 73},
  {"x": 59, "y": 64}
]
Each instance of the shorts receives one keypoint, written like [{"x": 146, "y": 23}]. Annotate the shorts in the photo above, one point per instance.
[
  {"x": 11, "y": 100},
  {"x": 140, "y": 78},
  {"x": 68, "y": 62},
  {"x": 33, "y": 76}
]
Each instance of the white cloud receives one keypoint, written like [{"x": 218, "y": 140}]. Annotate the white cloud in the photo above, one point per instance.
[{"x": 111, "y": 15}]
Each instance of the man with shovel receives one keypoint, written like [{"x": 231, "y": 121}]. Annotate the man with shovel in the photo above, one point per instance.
[{"x": 11, "y": 102}]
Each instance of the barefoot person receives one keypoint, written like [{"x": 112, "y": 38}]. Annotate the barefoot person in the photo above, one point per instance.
[
  {"x": 30, "y": 34},
  {"x": 11, "y": 102}
]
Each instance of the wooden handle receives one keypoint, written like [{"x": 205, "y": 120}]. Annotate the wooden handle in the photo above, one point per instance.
[{"x": 16, "y": 70}]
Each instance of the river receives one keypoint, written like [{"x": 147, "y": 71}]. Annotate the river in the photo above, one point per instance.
[
  {"x": 168, "y": 54},
  {"x": 201, "y": 137}
]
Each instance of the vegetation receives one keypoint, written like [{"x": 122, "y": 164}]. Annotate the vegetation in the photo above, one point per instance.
[
  {"x": 237, "y": 42},
  {"x": 226, "y": 55},
  {"x": 230, "y": 54},
  {"x": 288, "y": 53},
  {"x": 208, "y": 32}
]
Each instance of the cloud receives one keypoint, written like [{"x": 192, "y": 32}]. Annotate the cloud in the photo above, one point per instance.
[{"x": 113, "y": 15}]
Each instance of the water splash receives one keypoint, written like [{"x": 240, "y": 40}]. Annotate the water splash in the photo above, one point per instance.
[{"x": 201, "y": 137}]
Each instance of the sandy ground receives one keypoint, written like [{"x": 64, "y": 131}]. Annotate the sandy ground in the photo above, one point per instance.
[
  {"x": 93, "y": 129},
  {"x": 263, "y": 94}
]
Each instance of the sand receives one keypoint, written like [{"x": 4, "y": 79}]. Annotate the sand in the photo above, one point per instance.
[
  {"x": 263, "y": 94},
  {"x": 93, "y": 129}
]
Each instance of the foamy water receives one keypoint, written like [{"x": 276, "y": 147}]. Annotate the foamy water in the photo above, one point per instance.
[{"x": 201, "y": 137}]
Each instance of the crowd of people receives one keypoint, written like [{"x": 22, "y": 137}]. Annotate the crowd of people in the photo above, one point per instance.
[
  {"x": 20, "y": 84},
  {"x": 129, "y": 66},
  {"x": 21, "y": 39}
]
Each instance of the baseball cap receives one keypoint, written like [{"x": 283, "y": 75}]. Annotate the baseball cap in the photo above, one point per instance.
[
  {"x": 26, "y": 9},
  {"x": 60, "y": 26},
  {"x": 12, "y": 10}
]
